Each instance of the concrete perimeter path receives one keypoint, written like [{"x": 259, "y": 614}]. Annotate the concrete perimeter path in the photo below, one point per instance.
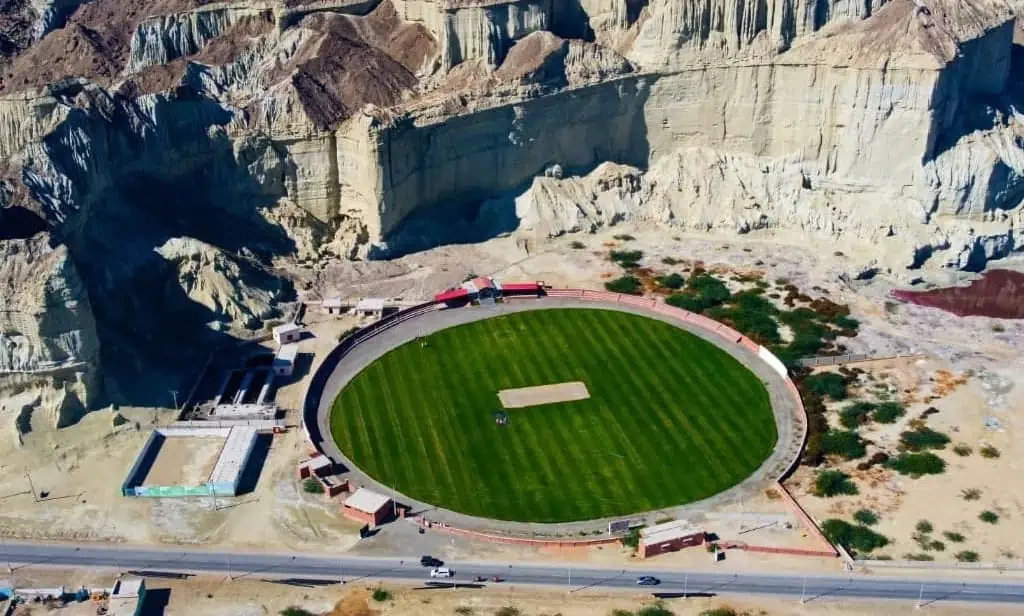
[{"x": 787, "y": 417}]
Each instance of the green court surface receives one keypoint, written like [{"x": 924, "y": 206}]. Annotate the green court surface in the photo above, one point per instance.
[{"x": 671, "y": 418}]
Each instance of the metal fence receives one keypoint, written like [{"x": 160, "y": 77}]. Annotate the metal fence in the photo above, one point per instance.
[{"x": 849, "y": 358}]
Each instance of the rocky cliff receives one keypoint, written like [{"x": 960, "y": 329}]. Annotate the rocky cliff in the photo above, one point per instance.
[{"x": 181, "y": 152}]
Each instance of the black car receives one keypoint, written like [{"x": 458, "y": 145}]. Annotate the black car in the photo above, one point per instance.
[
  {"x": 647, "y": 580},
  {"x": 430, "y": 561}
]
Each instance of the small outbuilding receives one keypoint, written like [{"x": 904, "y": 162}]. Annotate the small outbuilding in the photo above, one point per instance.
[
  {"x": 669, "y": 537},
  {"x": 368, "y": 507},
  {"x": 289, "y": 332},
  {"x": 284, "y": 361},
  {"x": 370, "y": 307}
]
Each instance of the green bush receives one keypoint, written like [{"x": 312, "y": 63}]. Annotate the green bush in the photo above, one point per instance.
[
  {"x": 312, "y": 486},
  {"x": 917, "y": 464},
  {"x": 833, "y": 483},
  {"x": 924, "y": 526},
  {"x": 685, "y": 301},
  {"x": 989, "y": 517},
  {"x": 629, "y": 285},
  {"x": 465, "y": 610},
  {"x": 380, "y": 595},
  {"x": 888, "y": 412},
  {"x": 923, "y": 438},
  {"x": 967, "y": 556},
  {"x": 920, "y": 557},
  {"x": 654, "y": 610},
  {"x": 719, "y": 611},
  {"x": 758, "y": 326},
  {"x": 954, "y": 537},
  {"x": 858, "y": 538},
  {"x": 962, "y": 450},
  {"x": 845, "y": 322},
  {"x": 711, "y": 290},
  {"x": 856, "y": 414},
  {"x": 627, "y": 258},
  {"x": 632, "y": 538},
  {"x": 865, "y": 517},
  {"x": 988, "y": 451},
  {"x": 296, "y": 611},
  {"x": 847, "y": 444},
  {"x": 671, "y": 261},
  {"x": 831, "y": 384},
  {"x": 509, "y": 610},
  {"x": 624, "y": 237},
  {"x": 970, "y": 494},
  {"x": 577, "y": 245},
  {"x": 936, "y": 546},
  {"x": 672, "y": 281}
]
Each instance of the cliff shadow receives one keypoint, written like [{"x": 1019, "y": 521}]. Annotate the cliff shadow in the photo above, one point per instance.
[
  {"x": 500, "y": 153},
  {"x": 160, "y": 212}
]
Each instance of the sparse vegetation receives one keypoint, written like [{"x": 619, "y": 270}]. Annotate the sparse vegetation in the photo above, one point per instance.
[
  {"x": 672, "y": 281},
  {"x": 852, "y": 537},
  {"x": 924, "y": 526},
  {"x": 936, "y": 546},
  {"x": 509, "y": 610},
  {"x": 988, "y": 451},
  {"x": 923, "y": 438},
  {"x": 381, "y": 595},
  {"x": 655, "y": 610},
  {"x": 629, "y": 285},
  {"x": 671, "y": 261},
  {"x": 954, "y": 537},
  {"x": 967, "y": 556},
  {"x": 577, "y": 245},
  {"x": 632, "y": 538},
  {"x": 856, "y": 414},
  {"x": 917, "y": 464},
  {"x": 866, "y": 517},
  {"x": 296, "y": 611},
  {"x": 831, "y": 384},
  {"x": 719, "y": 611},
  {"x": 970, "y": 494},
  {"x": 312, "y": 486},
  {"x": 888, "y": 412},
  {"x": 962, "y": 450},
  {"x": 847, "y": 444},
  {"x": 989, "y": 517},
  {"x": 624, "y": 237},
  {"x": 464, "y": 610},
  {"x": 919, "y": 557},
  {"x": 627, "y": 258},
  {"x": 833, "y": 483}
]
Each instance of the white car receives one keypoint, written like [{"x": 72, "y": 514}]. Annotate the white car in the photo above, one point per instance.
[{"x": 441, "y": 572}]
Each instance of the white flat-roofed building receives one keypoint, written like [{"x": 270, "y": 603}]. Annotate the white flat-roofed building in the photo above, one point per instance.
[
  {"x": 227, "y": 472},
  {"x": 370, "y": 307},
  {"x": 289, "y": 332},
  {"x": 284, "y": 361}
]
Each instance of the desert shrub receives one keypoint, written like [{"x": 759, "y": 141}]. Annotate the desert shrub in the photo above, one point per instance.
[
  {"x": 998, "y": 327},
  {"x": 858, "y": 538},
  {"x": 629, "y": 285},
  {"x": 672, "y": 281},
  {"x": 761, "y": 327},
  {"x": 924, "y": 526},
  {"x": 967, "y": 556},
  {"x": 923, "y": 438},
  {"x": 654, "y": 610},
  {"x": 917, "y": 464},
  {"x": 711, "y": 290},
  {"x": 847, "y": 444},
  {"x": 845, "y": 322},
  {"x": 831, "y": 384},
  {"x": 919, "y": 557},
  {"x": 954, "y": 537},
  {"x": 962, "y": 450},
  {"x": 509, "y": 610},
  {"x": 833, "y": 483},
  {"x": 989, "y": 517},
  {"x": 618, "y": 612},
  {"x": 970, "y": 494},
  {"x": 888, "y": 412},
  {"x": 719, "y": 611},
  {"x": 988, "y": 451},
  {"x": 671, "y": 261},
  {"x": 312, "y": 486},
  {"x": 577, "y": 245},
  {"x": 856, "y": 414},
  {"x": 624, "y": 237},
  {"x": 632, "y": 538},
  {"x": 936, "y": 546},
  {"x": 627, "y": 258},
  {"x": 296, "y": 611},
  {"x": 685, "y": 301},
  {"x": 379, "y": 594},
  {"x": 865, "y": 517},
  {"x": 465, "y": 610}
]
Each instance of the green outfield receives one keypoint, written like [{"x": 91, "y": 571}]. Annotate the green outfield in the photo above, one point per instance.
[{"x": 671, "y": 418}]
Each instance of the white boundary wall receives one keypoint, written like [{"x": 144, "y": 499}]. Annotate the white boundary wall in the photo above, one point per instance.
[{"x": 769, "y": 358}]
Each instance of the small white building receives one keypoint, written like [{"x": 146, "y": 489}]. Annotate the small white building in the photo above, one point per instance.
[
  {"x": 333, "y": 305},
  {"x": 370, "y": 307},
  {"x": 284, "y": 361},
  {"x": 289, "y": 332}
]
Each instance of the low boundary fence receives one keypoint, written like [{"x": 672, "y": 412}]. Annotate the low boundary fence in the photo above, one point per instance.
[
  {"x": 849, "y": 358},
  {"x": 556, "y": 542}
]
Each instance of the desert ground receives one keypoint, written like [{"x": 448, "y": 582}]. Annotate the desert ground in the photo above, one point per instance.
[{"x": 81, "y": 467}]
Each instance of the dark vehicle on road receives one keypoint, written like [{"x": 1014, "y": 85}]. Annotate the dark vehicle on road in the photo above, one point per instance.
[
  {"x": 430, "y": 561},
  {"x": 647, "y": 580}
]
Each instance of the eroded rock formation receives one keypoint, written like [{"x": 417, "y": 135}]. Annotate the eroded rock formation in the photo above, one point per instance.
[{"x": 178, "y": 151}]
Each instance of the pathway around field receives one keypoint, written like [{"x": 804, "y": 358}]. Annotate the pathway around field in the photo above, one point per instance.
[{"x": 783, "y": 407}]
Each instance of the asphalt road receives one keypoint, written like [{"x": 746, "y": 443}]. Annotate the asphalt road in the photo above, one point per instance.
[{"x": 24, "y": 556}]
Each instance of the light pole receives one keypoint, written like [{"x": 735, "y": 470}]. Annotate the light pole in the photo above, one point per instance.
[
  {"x": 174, "y": 395},
  {"x": 803, "y": 591},
  {"x": 31, "y": 486},
  {"x": 686, "y": 584},
  {"x": 920, "y": 597}
]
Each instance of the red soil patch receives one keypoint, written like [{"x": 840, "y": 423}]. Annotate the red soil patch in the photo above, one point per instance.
[{"x": 998, "y": 294}]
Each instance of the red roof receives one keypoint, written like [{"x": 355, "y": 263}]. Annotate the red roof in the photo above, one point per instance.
[
  {"x": 482, "y": 283},
  {"x": 520, "y": 286},
  {"x": 451, "y": 294}
]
